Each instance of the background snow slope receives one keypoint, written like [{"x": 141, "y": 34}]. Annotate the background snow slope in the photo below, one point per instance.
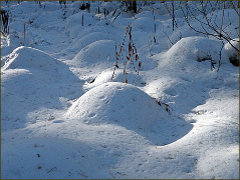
[{"x": 63, "y": 117}]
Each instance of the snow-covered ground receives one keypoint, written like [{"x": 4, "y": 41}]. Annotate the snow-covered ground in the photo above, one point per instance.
[{"x": 63, "y": 114}]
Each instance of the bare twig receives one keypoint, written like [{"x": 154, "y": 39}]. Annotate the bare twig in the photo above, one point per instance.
[
  {"x": 220, "y": 57},
  {"x": 218, "y": 31}
]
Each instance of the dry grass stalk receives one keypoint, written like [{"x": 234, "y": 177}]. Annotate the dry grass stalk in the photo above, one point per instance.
[{"x": 132, "y": 59}]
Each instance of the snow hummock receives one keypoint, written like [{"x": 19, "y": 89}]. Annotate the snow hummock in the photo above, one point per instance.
[
  {"x": 194, "y": 48},
  {"x": 28, "y": 58},
  {"x": 106, "y": 76},
  {"x": 233, "y": 54},
  {"x": 143, "y": 24},
  {"x": 98, "y": 52},
  {"x": 64, "y": 117},
  {"x": 33, "y": 80},
  {"x": 229, "y": 49},
  {"x": 119, "y": 103},
  {"x": 91, "y": 38},
  {"x": 127, "y": 106}
]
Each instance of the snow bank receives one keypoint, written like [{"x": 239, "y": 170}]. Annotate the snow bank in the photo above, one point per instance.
[
  {"x": 42, "y": 65},
  {"x": 84, "y": 40},
  {"x": 17, "y": 88},
  {"x": 195, "y": 48},
  {"x": 116, "y": 130},
  {"x": 74, "y": 19},
  {"x": 143, "y": 14},
  {"x": 109, "y": 6},
  {"x": 91, "y": 38},
  {"x": 78, "y": 22},
  {"x": 24, "y": 92},
  {"x": 144, "y": 24},
  {"x": 232, "y": 54},
  {"x": 31, "y": 79},
  {"x": 118, "y": 103},
  {"x": 30, "y": 58},
  {"x": 126, "y": 106},
  {"x": 98, "y": 52}
]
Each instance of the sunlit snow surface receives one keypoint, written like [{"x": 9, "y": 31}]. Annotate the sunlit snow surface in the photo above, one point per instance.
[{"x": 63, "y": 115}]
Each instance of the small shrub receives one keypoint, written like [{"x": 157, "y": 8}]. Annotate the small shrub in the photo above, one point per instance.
[
  {"x": 164, "y": 104},
  {"x": 131, "y": 58}
]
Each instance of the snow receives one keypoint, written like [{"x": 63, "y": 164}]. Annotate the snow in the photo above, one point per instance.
[
  {"x": 194, "y": 48},
  {"x": 223, "y": 156},
  {"x": 232, "y": 54},
  {"x": 106, "y": 76},
  {"x": 26, "y": 57},
  {"x": 145, "y": 24},
  {"x": 98, "y": 52},
  {"x": 64, "y": 116},
  {"x": 118, "y": 103},
  {"x": 230, "y": 49},
  {"x": 32, "y": 76}
]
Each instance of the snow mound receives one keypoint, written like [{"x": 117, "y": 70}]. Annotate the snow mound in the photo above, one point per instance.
[
  {"x": 44, "y": 67},
  {"x": 77, "y": 22},
  {"x": 90, "y": 38},
  {"x": 144, "y": 14},
  {"x": 30, "y": 58},
  {"x": 144, "y": 24},
  {"x": 25, "y": 92},
  {"x": 106, "y": 76},
  {"x": 117, "y": 103},
  {"x": 31, "y": 80},
  {"x": 22, "y": 93},
  {"x": 98, "y": 52},
  {"x": 109, "y": 6},
  {"x": 195, "y": 48},
  {"x": 231, "y": 52},
  {"x": 77, "y": 18}
]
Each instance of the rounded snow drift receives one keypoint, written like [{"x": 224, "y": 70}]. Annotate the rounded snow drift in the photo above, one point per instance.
[
  {"x": 195, "y": 48},
  {"x": 117, "y": 103},
  {"x": 76, "y": 19},
  {"x": 231, "y": 52},
  {"x": 106, "y": 75},
  {"x": 98, "y": 52},
  {"x": 30, "y": 58},
  {"x": 143, "y": 23},
  {"x": 90, "y": 38},
  {"x": 44, "y": 67}
]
